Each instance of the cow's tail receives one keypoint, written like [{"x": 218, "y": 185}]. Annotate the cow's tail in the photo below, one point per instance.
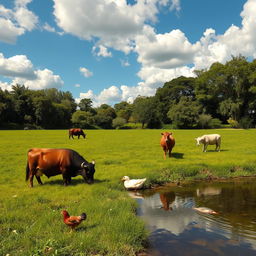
[{"x": 27, "y": 171}]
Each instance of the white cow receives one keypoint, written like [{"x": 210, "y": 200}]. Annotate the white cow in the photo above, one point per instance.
[{"x": 209, "y": 139}]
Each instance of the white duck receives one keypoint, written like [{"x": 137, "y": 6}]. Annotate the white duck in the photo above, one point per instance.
[{"x": 134, "y": 183}]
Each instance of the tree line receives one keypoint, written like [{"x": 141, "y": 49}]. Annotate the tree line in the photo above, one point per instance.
[{"x": 223, "y": 94}]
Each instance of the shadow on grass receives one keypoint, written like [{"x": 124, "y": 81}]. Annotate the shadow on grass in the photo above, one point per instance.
[
  {"x": 82, "y": 229},
  {"x": 213, "y": 150},
  {"x": 73, "y": 182},
  {"x": 177, "y": 155}
]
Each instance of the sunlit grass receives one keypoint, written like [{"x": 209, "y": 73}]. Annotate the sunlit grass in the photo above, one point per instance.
[{"x": 30, "y": 219}]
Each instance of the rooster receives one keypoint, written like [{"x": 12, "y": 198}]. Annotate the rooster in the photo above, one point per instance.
[{"x": 73, "y": 221}]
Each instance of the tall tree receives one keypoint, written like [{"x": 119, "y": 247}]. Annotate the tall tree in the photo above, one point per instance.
[
  {"x": 171, "y": 93},
  {"x": 105, "y": 115},
  {"x": 145, "y": 111},
  {"x": 86, "y": 105},
  {"x": 185, "y": 114}
]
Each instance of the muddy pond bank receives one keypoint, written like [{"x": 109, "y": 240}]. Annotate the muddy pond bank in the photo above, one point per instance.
[{"x": 177, "y": 229}]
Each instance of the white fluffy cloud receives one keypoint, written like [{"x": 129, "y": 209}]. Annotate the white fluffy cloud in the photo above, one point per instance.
[
  {"x": 5, "y": 86},
  {"x": 15, "y": 22},
  {"x": 101, "y": 51},
  {"x": 44, "y": 79},
  {"x": 169, "y": 55},
  {"x": 114, "y": 23},
  {"x": 108, "y": 96},
  {"x": 16, "y": 66},
  {"x": 21, "y": 71},
  {"x": 166, "y": 51},
  {"x": 176, "y": 5},
  {"x": 86, "y": 72},
  {"x": 236, "y": 40}
]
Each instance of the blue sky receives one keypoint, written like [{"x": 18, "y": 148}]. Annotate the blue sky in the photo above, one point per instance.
[{"x": 112, "y": 51}]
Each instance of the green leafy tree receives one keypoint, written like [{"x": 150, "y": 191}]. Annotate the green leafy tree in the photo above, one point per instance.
[
  {"x": 118, "y": 122},
  {"x": 225, "y": 90},
  {"x": 204, "y": 121},
  {"x": 83, "y": 119},
  {"x": 185, "y": 114},
  {"x": 86, "y": 105},
  {"x": 170, "y": 94},
  {"x": 145, "y": 111},
  {"x": 7, "y": 113},
  {"x": 123, "y": 110},
  {"x": 105, "y": 115},
  {"x": 44, "y": 112},
  {"x": 22, "y": 102}
]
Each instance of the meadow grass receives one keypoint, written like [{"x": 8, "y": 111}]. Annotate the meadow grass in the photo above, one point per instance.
[{"x": 30, "y": 219}]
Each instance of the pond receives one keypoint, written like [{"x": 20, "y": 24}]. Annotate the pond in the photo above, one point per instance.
[{"x": 177, "y": 229}]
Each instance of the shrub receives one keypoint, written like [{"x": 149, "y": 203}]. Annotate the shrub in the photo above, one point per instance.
[
  {"x": 204, "y": 121},
  {"x": 215, "y": 123},
  {"x": 118, "y": 122},
  {"x": 245, "y": 123},
  {"x": 233, "y": 123}
]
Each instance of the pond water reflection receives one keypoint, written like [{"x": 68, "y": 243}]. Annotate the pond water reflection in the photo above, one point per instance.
[{"x": 177, "y": 229}]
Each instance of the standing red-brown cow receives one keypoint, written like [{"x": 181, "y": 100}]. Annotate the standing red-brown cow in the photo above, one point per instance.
[
  {"x": 76, "y": 132},
  {"x": 54, "y": 161},
  {"x": 167, "y": 142}
]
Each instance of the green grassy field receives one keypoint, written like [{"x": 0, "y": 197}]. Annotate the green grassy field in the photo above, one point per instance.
[{"x": 31, "y": 223}]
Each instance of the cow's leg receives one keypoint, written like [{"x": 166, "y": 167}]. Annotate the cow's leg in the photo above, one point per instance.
[
  {"x": 78, "y": 136},
  {"x": 205, "y": 147},
  {"x": 66, "y": 179},
  {"x": 31, "y": 176},
  {"x": 39, "y": 180},
  {"x": 164, "y": 153},
  {"x": 170, "y": 152},
  {"x": 217, "y": 147}
]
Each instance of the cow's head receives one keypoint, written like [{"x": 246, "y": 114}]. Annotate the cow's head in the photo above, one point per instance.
[
  {"x": 198, "y": 140},
  {"x": 88, "y": 170},
  {"x": 83, "y": 134},
  {"x": 166, "y": 135}
]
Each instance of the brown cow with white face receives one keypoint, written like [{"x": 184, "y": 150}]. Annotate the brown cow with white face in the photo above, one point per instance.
[{"x": 167, "y": 142}]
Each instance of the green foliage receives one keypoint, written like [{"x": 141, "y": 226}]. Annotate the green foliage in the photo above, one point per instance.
[
  {"x": 83, "y": 119},
  {"x": 204, "y": 121},
  {"x": 169, "y": 95},
  {"x": 185, "y": 114},
  {"x": 123, "y": 110},
  {"x": 233, "y": 123},
  {"x": 145, "y": 111},
  {"x": 47, "y": 108},
  {"x": 86, "y": 105},
  {"x": 118, "y": 122},
  {"x": 245, "y": 122},
  {"x": 215, "y": 123}
]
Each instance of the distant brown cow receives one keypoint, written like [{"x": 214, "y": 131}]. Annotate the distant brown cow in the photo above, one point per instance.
[
  {"x": 76, "y": 132},
  {"x": 167, "y": 142}
]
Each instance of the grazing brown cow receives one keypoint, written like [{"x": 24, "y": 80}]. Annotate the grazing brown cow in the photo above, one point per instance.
[
  {"x": 52, "y": 161},
  {"x": 76, "y": 132},
  {"x": 167, "y": 142}
]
